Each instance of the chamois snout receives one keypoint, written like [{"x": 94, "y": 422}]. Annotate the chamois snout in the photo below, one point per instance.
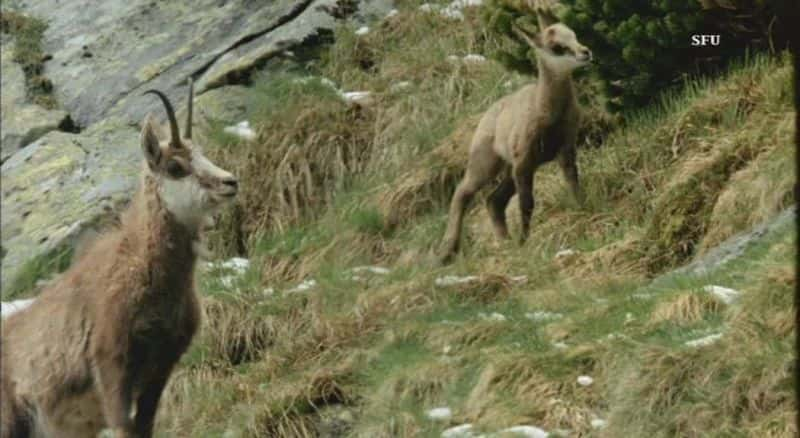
[{"x": 584, "y": 55}]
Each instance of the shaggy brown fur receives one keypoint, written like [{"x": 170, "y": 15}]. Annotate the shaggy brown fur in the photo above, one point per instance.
[
  {"x": 97, "y": 347},
  {"x": 522, "y": 131}
]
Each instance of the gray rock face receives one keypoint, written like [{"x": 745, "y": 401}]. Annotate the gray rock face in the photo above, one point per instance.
[
  {"x": 59, "y": 186},
  {"x": 105, "y": 54},
  {"x": 22, "y": 122}
]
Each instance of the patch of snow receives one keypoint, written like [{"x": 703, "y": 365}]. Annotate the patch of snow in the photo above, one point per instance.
[
  {"x": 494, "y": 316},
  {"x": 363, "y": 30},
  {"x": 559, "y": 345},
  {"x": 599, "y": 423},
  {"x": 450, "y": 280},
  {"x": 452, "y": 13},
  {"x": 462, "y": 431},
  {"x": 541, "y": 315},
  {"x": 443, "y": 413},
  {"x": 473, "y": 58},
  {"x": 392, "y": 13},
  {"x": 9, "y": 308},
  {"x": 427, "y": 7},
  {"x": 372, "y": 269},
  {"x": 241, "y": 130},
  {"x": 238, "y": 264},
  {"x": 526, "y": 431},
  {"x": 359, "y": 97},
  {"x": 565, "y": 253},
  {"x": 704, "y": 341},
  {"x": 400, "y": 86},
  {"x": 304, "y": 286},
  {"x": 726, "y": 295},
  {"x": 585, "y": 380}
]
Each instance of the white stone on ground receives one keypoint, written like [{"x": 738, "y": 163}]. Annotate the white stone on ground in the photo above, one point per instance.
[
  {"x": 526, "y": 431},
  {"x": 598, "y": 423},
  {"x": 443, "y": 413},
  {"x": 241, "y": 130},
  {"x": 371, "y": 269},
  {"x": 392, "y": 13},
  {"x": 359, "y": 97},
  {"x": 565, "y": 253},
  {"x": 726, "y": 295},
  {"x": 304, "y": 286},
  {"x": 585, "y": 380},
  {"x": 541, "y": 315},
  {"x": 559, "y": 345},
  {"x": 494, "y": 316},
  {"x": 473, "y": 58},
  {"x": 704, "y": 341},
  {"x": 363, "y": 30},
  {"x": 451, "y": 280},
  {"x": 9, "y": 308},
  {"x": 461, "y": 431}
]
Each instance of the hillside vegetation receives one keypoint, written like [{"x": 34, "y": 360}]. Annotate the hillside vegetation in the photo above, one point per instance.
[{"x": 328, "y": 186}]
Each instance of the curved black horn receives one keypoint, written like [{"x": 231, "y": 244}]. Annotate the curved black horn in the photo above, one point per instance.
[
  {"x": 188, "y": 130},
  {"x": 175, "y": 141}
]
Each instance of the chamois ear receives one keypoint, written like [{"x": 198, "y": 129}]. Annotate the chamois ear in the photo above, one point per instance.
[
  {"x": 150, "y": 143},
  {"x": 544, "y": 12},
  {"x": 535, "y": 41}
]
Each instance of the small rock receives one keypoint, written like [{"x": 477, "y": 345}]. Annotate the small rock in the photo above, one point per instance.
[
  {"x": 427, "y": 7},
  {"x": 559, "y": 345},
  {"x": 363, "y": 30},
  {"x": 363, "y": 98},
  {"x": 726, "y": 295},
  {"x": 443, "y": 413},
  {"x": 268, "y": 292},
  {"x": 526, "y": 431},
  {"x": 585, "y": 380},
  {"x": 392, "y": 13},
  {"x": 704, "y": 341},
  {"x": 565, "y": 253},
  {"x": 462, "y": 431}
]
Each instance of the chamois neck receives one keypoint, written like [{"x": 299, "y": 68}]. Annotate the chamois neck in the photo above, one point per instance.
[
  {"x": 554, "y": 89},
  {"x": 167, "y": 245}
]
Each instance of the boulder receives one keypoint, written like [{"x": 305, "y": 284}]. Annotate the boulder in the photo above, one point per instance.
[
  {"x": 60, "y": 186},
  {"x": 105, "y": 54},
  {"x": 22, "y": 122}
]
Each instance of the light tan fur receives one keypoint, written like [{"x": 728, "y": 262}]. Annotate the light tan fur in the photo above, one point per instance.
[
  {"x": 98, "y": 345},
  {"x": 522, "y": 131}
]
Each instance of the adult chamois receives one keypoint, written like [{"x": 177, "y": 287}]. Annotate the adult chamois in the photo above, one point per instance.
[
  {"x": 524, "y": 130},
  {"x": 98, "y": 345}
]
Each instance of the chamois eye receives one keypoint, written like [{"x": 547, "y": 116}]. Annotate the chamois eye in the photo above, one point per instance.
[
  {"x": 176, "y": 169},
  {"x": 558, "y": 49}
]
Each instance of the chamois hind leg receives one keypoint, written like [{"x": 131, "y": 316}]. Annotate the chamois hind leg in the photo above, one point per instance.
[
  {"x": 497, "y": 203},
  {"x": 481, "y": 169},
  {"x": 523, "y": 181}
]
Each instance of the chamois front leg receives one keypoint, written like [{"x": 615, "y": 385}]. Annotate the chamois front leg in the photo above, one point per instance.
[
  {"x": 523, "y": 182},
  {"x": 567, "y": 159},
  {"x": 147, "y": 404},
  {"x": 116, "y": 392}
]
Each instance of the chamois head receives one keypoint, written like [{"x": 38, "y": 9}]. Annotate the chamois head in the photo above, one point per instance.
[
  {"x": 556, "y": 44},
  {"x": 189, "y": 184}
]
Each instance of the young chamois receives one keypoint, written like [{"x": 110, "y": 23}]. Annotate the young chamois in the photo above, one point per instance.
[
  {"x": 98, "y": 345},
  {"x": 524, "y": 130}
]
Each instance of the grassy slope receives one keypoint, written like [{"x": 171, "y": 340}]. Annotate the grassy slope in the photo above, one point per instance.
[{"x": 331, "y": 187}]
